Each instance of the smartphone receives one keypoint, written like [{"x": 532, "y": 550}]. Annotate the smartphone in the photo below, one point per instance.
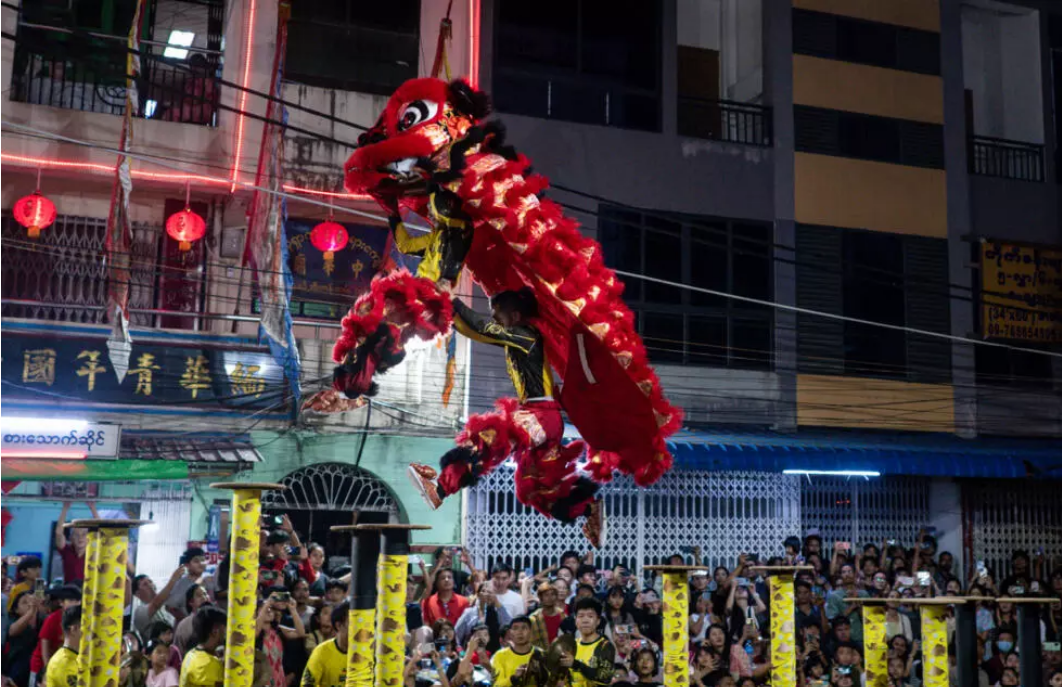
[
  {"x": 742, "y": 581},
  {"x": 276, "y": 520},
  {"x": 39, "y": 587},
  {"x": 890, "y": 542},
  {"x": 293, "y": 551},
  {"x": 924, "y": 578},
  {"x": 844, "y": 545},
  {"x": 1017, "y": 590},
  {"x": 415, "y": 560},
  {"x": 1035, "y": 586},
  {"x": 982, "y": 569},
  {"x": 281, "y": 597},
  {"x": 906, "y": 581},
  {"x": 750, "y": 616},
  {"x": 441, "y": 644},
  {"x": 623, "y": 629},
  {"x": 1052, "y": 646}
]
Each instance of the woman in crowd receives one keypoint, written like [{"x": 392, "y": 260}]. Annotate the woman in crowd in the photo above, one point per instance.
[
  {"x": 896, "y": 623},
  {"x": 311, "y": 569},
  {"x": 616, "y": 611},
  {"x": 321, "y": 628},
  {"x": 22, "y": 637},
  {"x": 183, "y": 635}
]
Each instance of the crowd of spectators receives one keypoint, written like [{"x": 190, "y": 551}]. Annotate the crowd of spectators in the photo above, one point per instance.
[{"x": 572, "y": 624}]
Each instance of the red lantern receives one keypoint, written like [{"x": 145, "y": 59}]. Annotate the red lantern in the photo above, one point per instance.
[
  {"x": 185, "y": 226},
  {"x": 328, "y": 237},
  {"x": 35, "y": 212}
]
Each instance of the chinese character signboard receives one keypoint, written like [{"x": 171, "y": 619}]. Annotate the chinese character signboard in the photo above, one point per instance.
[
  {"x": 38, "y": 367},
  {"x": 327, "y": 289},
  {"x": 1021, "y": 292}
]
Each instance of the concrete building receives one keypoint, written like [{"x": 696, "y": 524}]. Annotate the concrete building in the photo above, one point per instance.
[{"x": 845, "y": 158}]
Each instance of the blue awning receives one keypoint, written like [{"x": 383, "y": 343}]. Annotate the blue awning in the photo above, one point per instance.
[{"x": 931, "y": 455}]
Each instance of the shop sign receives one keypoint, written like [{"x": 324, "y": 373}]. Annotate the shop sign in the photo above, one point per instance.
[{"x": 48, "y": 437}]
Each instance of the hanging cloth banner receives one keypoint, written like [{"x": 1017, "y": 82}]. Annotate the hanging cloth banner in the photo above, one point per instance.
[
  {"x": 266, "y": 247},
  {"x": 442, "y": 63},
  {"x": 119, "y": 232},
  {"x": 446, "y": 32}
]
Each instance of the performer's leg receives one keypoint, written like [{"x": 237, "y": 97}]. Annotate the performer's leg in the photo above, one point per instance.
[{"x": 485, "y": 443}]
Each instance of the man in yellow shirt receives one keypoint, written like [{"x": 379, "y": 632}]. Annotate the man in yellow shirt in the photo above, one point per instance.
[
  {"x": 521, "y": 664},
  {"x": 594, "y": 661},
  {"x": 327, "y": 666},
  {"x": 201, "y": 666},
  {"x": 62, "y": 666}
]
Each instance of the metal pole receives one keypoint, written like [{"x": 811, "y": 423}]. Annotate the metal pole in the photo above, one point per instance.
[
  {"x": 1029, "y": 648},
  {"x": 934, "y": 646},
  {"x": 106, "y": 567},
  {"x": 391, "y": 577},
  {"x": 967, "y": 659},
  {"x": 676, "y": 628},
  {"x": 875, "y": 646},
  {"x": 783, "y": 630},
  {"x": 243, "y": 579},
  {"x": 361, "y": 619},
  {"x": 88, "y": 604}
]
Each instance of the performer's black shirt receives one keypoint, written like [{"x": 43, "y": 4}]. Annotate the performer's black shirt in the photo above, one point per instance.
[{"x": 525, "y": 354}]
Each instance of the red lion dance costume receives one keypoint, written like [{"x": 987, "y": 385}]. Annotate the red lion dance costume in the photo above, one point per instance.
[{"x": 431, "y": 154}]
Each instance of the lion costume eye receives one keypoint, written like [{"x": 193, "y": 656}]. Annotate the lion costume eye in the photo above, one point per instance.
[{"x": 416, "y": 112}]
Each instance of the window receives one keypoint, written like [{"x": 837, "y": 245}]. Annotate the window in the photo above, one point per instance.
[
  {"x": 879, "y": 277},
  {"x": 579, "y": 60},
  {"x": 874, "y": 290},
  {"x": 372, "y": 47},
  {"x": 688, "y": 327},
  {"x": 865, "y": 42},
  {"x": 868, "y": 137}
]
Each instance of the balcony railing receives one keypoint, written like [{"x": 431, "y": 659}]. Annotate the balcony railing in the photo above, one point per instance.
[
  {"x": 998, "y": 157},
  {"x": 724, "y": 120},
  {"x": 89, "y": 75}
]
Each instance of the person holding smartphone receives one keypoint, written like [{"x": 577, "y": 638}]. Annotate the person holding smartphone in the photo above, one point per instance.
[
  {"x": 836, "y": 606},
  {"x": 271, "y": 634}
]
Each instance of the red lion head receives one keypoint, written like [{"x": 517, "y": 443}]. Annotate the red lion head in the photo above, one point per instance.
[{"x": 412, "y": 139}]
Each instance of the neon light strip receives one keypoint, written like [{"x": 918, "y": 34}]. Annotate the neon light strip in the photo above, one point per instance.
[
  {"x": 835, "y": 473},
  {"x": 144, "y": 174},
  {"x": 165, "y": 176},
  {"x": 247, "y": 42},
  {"x": 473, "y": 43},
  {"x": 45, "y": 455}
]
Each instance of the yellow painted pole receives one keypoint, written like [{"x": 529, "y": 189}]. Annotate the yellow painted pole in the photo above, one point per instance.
[
  {"x": 676, "y": 609},
  {"x": 391, "y": 575},
  {"x": 103, "y": 600},
  {"x": 361, "y": 619},
  {"x": 783, "y": 630},
  {"x": 934, "y": 645},
  {"x": 88, "y": 605},
  {"x": 243, "y": 579},
  {"x": 106, "y": 651},
  {"x": 875, "y": 646}
]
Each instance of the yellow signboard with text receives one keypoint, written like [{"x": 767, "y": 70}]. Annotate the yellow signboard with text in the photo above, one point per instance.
[{"x": 1021, "y": 292}]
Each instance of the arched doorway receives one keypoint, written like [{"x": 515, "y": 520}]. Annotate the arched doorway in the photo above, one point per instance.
[{"x": 325, "y": 494}]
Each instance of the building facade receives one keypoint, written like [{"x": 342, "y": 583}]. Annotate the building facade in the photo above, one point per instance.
[{"x": 855, "y": 160}]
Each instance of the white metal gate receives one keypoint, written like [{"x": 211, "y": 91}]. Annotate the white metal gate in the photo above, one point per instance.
[
  {"x": 854, "y": 509},
  {"x": 1003, "y": 516},
  {"x": 725, "y": 513}
]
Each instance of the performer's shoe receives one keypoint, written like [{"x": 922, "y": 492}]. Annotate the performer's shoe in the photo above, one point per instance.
[
  {"x": 594, "y": 528},
  {"x": 421, "y": 476}
]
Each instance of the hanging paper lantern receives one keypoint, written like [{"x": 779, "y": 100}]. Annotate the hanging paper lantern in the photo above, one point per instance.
[
  {"x": 185, "y": 227},
  {"x": 328, "y": 237},
  {"x": 35, "y": 212}
]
